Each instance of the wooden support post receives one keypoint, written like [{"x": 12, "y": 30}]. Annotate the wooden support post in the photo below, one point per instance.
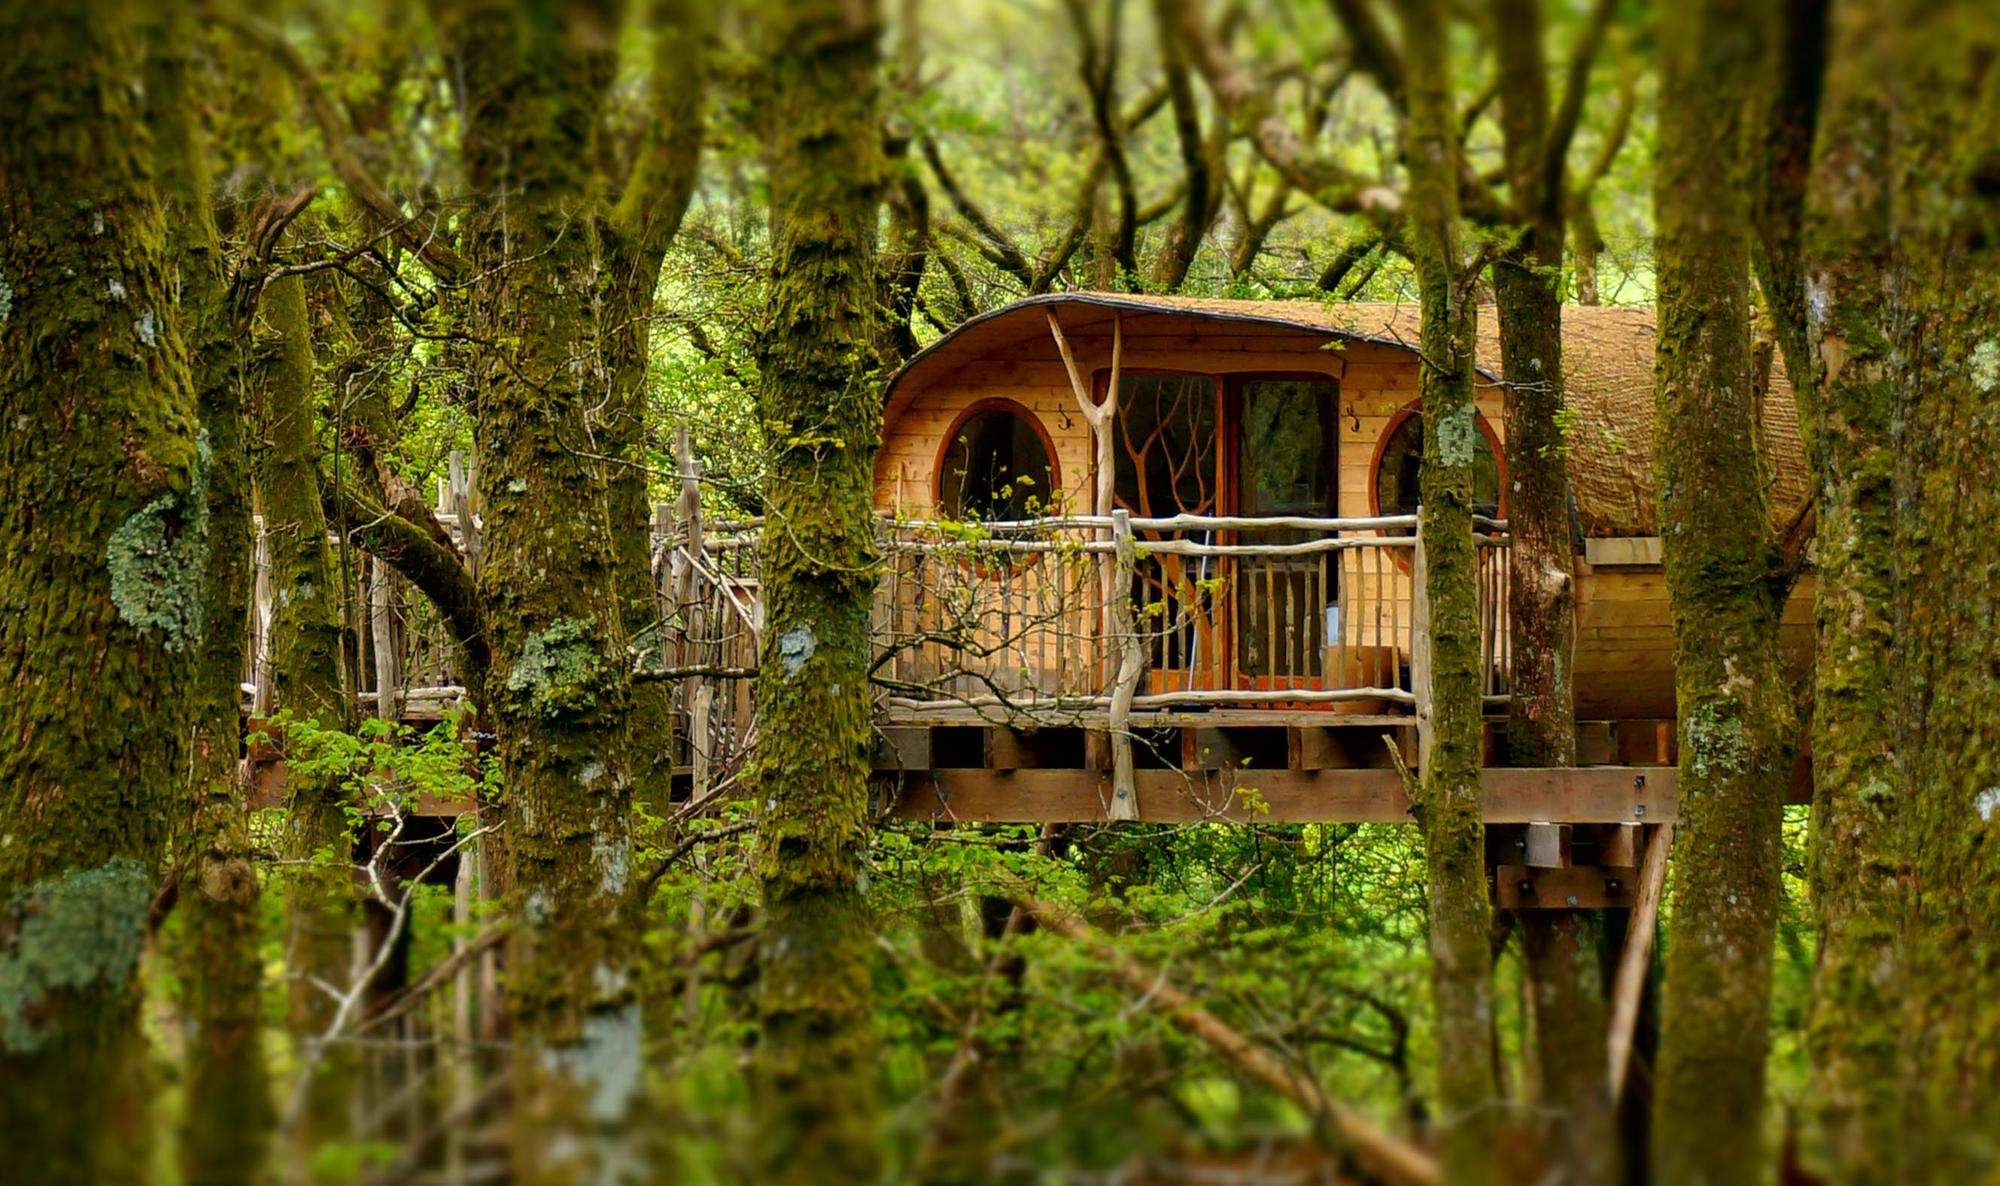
[
  {"x": 1011, "y": 749},
  {"x": 1210, "y": 749},
  {"x": 1096, "y": 749},
  {"x": 1348, "y": 747},
  {"x": 1313, "y": 747},
  {"x": 381, "y": 628},
  {"x": 1646, "y": 743},
  {"x": 902, "y": 747},
  {"x": 465, "y": 505},
  {"x": 1596, "y": 743},
  {"x": 1131, "y": 665},
  {"x": 1547, "y": 846},
  {"x": 1618, "y": 846},
  {"x": 1630, "y": 983},
  {"x": 690, "y": 599},
  {"x": 262, "y": 601}
]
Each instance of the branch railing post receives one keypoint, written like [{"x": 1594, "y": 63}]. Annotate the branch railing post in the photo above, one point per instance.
[
  {"x": 1131, "y": 665},
  {"x": 381, "y": 628},
  {"x": 688, "y": 593}
]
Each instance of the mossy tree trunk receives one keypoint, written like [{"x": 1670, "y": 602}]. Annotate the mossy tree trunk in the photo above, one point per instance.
[
  {"x": 1946, "y": 359},
  {"x": 821, "y": 412},
  {"x": 1856, "y": 783},
  {"x": 225, "y": 1125},
  {"x": 1447, "y": 800},
  {"x": 1725, "y": 580},
  {"x": 305, "y": 664},
  {"x": 533, "y": 87},
  {"x": 1559, "y": 945},
  {"x": 640, "y": 229},
  {"x": 104, "y": 517}
]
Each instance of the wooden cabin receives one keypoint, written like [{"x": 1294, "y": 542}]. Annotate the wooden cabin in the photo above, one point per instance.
[{"x": 1285, "y": 410}]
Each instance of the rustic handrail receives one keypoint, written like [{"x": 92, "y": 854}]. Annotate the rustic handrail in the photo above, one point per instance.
[{"x": 1102, "y": 615}]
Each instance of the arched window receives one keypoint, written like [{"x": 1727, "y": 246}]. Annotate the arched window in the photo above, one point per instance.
[
  {"x": 1399, "y": 464},
  {"x": 996, "y": 466}
]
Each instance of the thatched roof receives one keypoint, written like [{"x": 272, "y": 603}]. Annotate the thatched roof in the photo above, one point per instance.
[{"x": 1608, "y": 365}]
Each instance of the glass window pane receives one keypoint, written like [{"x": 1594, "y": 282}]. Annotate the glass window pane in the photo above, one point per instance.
[
  {"x": 996, "y": 468},
  {"x": 1398, "y": 477}
]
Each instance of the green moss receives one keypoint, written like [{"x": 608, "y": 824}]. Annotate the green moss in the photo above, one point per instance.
[
  {"x": 158, "y": 560},
  {"x": 82, "y": 928},
  {"x": 559, "y": 672}
]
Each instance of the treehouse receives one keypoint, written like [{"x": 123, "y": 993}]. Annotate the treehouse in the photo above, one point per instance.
[
  {"x": 1159, "y": 558},
  {"x": 1151, "y": 557}
]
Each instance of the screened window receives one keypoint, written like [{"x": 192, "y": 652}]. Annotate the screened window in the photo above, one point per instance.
[
  {"x": 996, "y": 468},
  {"x": 1398, "y": 481}
]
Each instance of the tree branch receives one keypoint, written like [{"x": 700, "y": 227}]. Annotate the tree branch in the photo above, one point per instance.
[
  {"x": 1562, "y": 123},
  {"x": 1391, "y": 1160},
  {"x": 992, "y": 242},
  {"x": 1374, "y": 54},
  {"x": 1333, "y": 187},
  {"x": 663, "y": 176},
  {"x": 334, "y": 133},
  {"x": 433, "y": 567}
]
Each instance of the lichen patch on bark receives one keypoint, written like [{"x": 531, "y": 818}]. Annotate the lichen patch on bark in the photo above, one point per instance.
[
  {"x": 81, "y": 928},
  {"x": 158, "y": 560}
]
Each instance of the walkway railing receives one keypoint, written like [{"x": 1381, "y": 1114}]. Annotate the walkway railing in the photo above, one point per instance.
[{"x": 1075, "y": 616}]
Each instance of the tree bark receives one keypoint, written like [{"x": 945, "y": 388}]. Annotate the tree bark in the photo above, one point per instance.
[
  {"x": 533, "y": 85},
  {"x": 635, "y": 240},
  {"x": 1568, "y": 997},
  {"x": 1855, "y": 871},
  {"x": 305, "y": 657},
  {"x": 1946, "y": 359},
  {"x": 815, "y": 1075},
  {"x": 225, "y": 1123},
  {"x": 1447, "y": 801},
  {"x": 1725, "y": 580},
  {"x": 104, "y": 518}
]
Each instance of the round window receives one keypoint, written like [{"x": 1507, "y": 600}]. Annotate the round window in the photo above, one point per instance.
[
  {"x": 996, "y": 467},
  {"x": 1398, "y": 470}
]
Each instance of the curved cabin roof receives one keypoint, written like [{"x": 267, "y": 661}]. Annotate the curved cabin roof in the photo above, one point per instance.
[{"x": 1608, "y": 365}]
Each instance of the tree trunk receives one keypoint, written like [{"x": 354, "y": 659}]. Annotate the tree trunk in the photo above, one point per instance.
[
  {"x": 534, "y": 83},
  {"x": 1559, "y": 945},
  {"x": 1946, "y": 355},
  {"x": 104, "y": 518},
  {"x": 305, "y": 649},
  {"x": 815, "y": 1073},
  {"x": 1735, "y": 709},
  {"x": 225, "y": 1126},
  {"x": 636, "y": 240},
  {"x": 1854, "y": 868},
  {"x": 1447, "y": 802}
]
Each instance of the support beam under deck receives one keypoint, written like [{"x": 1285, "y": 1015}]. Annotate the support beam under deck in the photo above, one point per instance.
[{"x": 1579, "y": 795}]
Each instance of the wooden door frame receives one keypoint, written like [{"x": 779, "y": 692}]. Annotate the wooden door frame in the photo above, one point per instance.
[{"x": 1228, "y": 393}]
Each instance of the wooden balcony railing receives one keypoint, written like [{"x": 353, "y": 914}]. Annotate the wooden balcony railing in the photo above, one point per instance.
[{"x": 1079, "y": 619}]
